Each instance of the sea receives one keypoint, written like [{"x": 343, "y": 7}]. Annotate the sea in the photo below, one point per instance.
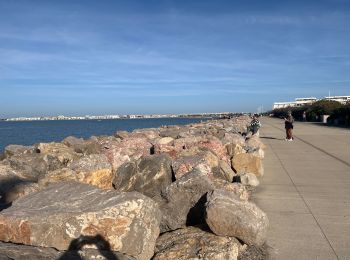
[{"x": 31, "y": 132}]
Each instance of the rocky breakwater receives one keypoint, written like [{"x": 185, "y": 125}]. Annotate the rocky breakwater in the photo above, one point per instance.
[{"x": 174, "y": 192}]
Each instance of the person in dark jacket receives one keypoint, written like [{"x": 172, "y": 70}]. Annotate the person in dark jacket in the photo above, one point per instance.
[
  {"x": 288, "y": 125},
  {"x": 254, "y": 125}
]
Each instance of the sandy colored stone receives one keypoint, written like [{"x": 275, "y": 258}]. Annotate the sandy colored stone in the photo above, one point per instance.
[
  {"x": 248, "y": 162},
  {"x": 62, "y": 212},
  {"x": 227, "y": 215}
]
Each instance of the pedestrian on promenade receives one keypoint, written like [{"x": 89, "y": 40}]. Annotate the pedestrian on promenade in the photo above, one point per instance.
[
  {"x": 304, "y": 116},
  {"x": 254, "y": 125},
  {"x": 288, "y": 125}
]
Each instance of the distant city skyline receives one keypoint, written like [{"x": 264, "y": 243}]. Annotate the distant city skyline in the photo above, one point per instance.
[{"x": 169, "y": 57}]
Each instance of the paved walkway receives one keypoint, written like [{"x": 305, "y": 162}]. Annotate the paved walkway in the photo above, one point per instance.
[{"x": 306, "y": 191}]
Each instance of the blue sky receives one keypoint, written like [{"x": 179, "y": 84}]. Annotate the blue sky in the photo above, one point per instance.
[{"x": 126, "y": 57}]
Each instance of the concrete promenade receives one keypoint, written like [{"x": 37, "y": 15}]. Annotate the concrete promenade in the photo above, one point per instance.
[{"x": 306, "y": 191}]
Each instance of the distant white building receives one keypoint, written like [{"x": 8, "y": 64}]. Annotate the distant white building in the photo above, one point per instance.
[
  {"x": 308, "y": 101},
  {"x": 297, "y": 103},
  {"x": 341, "y": 99}
]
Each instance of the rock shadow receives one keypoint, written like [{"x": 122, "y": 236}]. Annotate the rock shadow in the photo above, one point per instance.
[
  {"x": 9, "y": 189},
  {"x": 77, "y": 244},
  {"x": 271, "y": 138},
  {"x": 196, "y": 215}
]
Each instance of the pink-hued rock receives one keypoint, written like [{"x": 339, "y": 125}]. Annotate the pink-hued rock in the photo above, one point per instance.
[
  {"x": 193, "y": 158},
  {"x": 127, "y": 149},
  {"x": 210, "y": 142},
  {"x": 55, "y": 216}
]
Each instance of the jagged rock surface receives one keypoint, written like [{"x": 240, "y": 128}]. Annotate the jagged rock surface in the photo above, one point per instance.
[
  {"x": 57, "y": 215},
  {"x": 148, "y": 175},
  {"x": 184, "y": 201},
  {"x": 194, "y": 243},
  {"x": 226, "y": 215},
  {"x": 248, "y": 162}
]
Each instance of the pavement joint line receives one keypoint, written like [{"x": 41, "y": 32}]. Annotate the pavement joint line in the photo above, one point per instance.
[
  {"x": 301, "y": 196},
  {"x": 317, "y": 148}
]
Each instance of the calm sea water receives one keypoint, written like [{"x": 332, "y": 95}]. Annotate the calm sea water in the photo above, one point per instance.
[{"x": 28, "y": 133}]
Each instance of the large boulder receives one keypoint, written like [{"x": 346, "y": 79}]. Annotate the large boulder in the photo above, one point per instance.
[
  {"x": 192, "y": 158},
  {"x": 94, "y": 169},
  {"x": 248, "y": 162},
  {"x": 249, "y": 179},
  {"x": 255, "y": 142},
  {"x": 172, "y": 132},
  {"x": 226, "y": 215},
  {"x": 13, "y": 149},
  {"x": 165, "y": 145},
  {"x": 79, "y": 145},
  {"x": 231, "y": 138},
  {"x": 148, "y": 175},
  {"x": 11, "y": 251},
  {"x": 194, "y": 243},
  {"x": 234, "y": 149},
  {"x": 149, "y": 133},
  {"x": 120, "y": 152},
  {"x": 13, "y": 185},
  {"x": 184, "y": 201},
  {"x": 224, "y": 171},
  {"x": 30, "y": 165},
  {"x": 210, "y": 142},
  {"x": 129, "y": 222},
  {"x": 238, "y": 189},
  {"x": 59, "y": 175},
  {"x": 57, "y": 155}
]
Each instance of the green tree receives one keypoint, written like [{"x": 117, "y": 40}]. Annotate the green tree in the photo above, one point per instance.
[{"x": 323, "y": 107}]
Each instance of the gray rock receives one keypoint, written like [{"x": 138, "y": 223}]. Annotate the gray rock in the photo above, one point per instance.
[
  {"x": 31, "y": 166},
  {"x": 194, "y": 243},
  {"x": 184, "y": 201},
  {"x": 227, "y": 215},
  {"x": 224, "y": 171},
  {"x": 13, "y": 149},
  {"x": 21, "y": 252},
  {"x": 79, "y": 145},
  {"x": 148, "y": 175},
  {"x": 249, "y": 179},
  {"x": 11, "y": 251},
  {"x": 129, "y": 222}
]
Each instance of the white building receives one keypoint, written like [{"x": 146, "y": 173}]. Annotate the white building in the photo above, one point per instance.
[
  {"x": 297, "y": 103},
  {"x": 341, "y": 99},
  {"x": 308, "y": 101}
]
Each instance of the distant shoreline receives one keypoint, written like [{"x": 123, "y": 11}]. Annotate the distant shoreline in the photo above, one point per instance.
[{"x": 90, "y": 119}]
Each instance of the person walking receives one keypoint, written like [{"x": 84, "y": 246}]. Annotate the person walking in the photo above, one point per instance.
[{"x": 288, "y": 125}]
